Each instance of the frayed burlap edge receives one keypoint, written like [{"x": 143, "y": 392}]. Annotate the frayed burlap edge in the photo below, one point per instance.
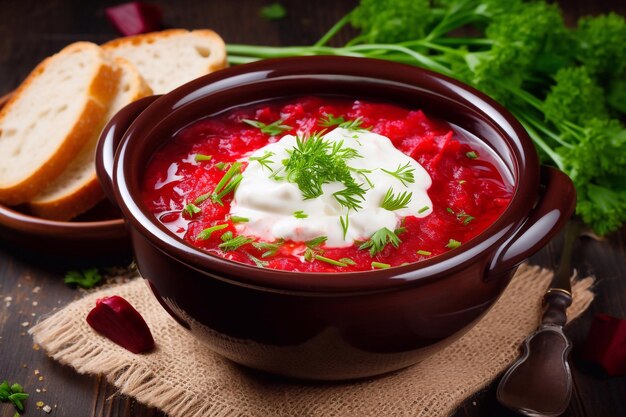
[{"x": 67, "y": 339}]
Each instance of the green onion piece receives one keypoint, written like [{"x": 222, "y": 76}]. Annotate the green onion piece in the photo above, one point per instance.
[
  {"x": 206, "y": 233},
  {"x": 424, "y": 252},
  {"x": 380, "y": 265},
  {"x": 347, "y": 261},
  {"x": 300, "y": 214},
  {"x": 423, "y": 209},
  {"x": 453, "y": 244},
  {"x": 227, "y": 236},
  {"x": 313, "y": 243},
  {"x": 330, "y": 261},
  {"x": 449, "y": 210},
  {"x": 239, "y": 219},
  {"x": 192, "y": 209},
  {"x": 200, "y": 157},
  {"x": 344, "y": 225},
  {"x": 220, "y": 166},
  {"x": 471, "y": 155}
]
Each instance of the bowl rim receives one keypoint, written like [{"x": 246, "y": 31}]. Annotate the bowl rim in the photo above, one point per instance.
[{"x": 525, "y": 172}]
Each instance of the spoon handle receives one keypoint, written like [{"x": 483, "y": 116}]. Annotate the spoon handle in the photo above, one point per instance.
[{"x": 539, "y": 383}]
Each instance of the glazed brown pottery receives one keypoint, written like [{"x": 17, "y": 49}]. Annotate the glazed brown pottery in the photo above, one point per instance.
[{"x": 344, "y": 325}]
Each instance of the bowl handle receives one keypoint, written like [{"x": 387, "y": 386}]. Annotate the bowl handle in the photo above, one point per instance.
[
  {"x": 554, "y": 207},
  {"x": 110, "y": 139}
]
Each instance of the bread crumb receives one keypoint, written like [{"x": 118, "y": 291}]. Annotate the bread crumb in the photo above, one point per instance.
[{"x": 47, "y": 409}]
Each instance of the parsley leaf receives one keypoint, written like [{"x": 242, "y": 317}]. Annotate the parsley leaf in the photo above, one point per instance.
[{"x": 87, "y": 278}]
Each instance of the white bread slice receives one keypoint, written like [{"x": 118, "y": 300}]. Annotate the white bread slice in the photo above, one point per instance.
[
  {"x": 77, "y": 189},
  {"x": 170, "y": 58},
  {"x": 50, "y": 117}
]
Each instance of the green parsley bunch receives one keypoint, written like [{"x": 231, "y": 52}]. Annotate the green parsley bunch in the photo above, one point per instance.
[{"x": 567, "y": 86}]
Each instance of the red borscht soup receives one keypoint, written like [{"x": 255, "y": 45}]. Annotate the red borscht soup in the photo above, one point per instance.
[{"x": 325, "y": 184}]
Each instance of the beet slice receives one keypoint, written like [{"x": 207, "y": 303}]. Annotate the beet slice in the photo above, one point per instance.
[
  {"x": 135, "y": 17},
  {"x": 606, "y": 344}
]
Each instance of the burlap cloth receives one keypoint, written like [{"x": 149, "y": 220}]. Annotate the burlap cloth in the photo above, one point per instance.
[{"x": 183, "y": 378}]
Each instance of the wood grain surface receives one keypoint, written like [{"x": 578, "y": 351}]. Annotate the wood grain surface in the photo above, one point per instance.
[{"x": 31, "y": 285}]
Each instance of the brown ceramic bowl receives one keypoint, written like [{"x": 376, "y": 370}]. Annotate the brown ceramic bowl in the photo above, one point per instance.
[
  {"x": 98, "y": 234},
  {"x": 320, "y": 325}
]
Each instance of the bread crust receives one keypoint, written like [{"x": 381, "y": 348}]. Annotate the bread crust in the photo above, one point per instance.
[
  {"x": 101, "y": 91},
  {"x": 70, "y": 205}
]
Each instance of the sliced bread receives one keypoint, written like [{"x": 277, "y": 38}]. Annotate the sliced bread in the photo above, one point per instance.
[
  {"x": 77, "y": 189},
  {"x": 172, "y": 57},
  {"x": 50, "y": 117}
]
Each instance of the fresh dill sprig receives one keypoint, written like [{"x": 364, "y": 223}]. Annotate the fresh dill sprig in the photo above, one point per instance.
[
  {"x": 270, "y": 248},
  {"x": 380, "y": 239},
  {"x": 399, "y": 201},
  {"x": 362, "y": 172},
  {"x": 313, "y": 162},
  {"x": 257, "y": 261},
  {"x": 206, "y": 233},
  {"x": 235, "y": 243},
  {"x": 403, "y": 173},
  {"x": 353, "y": 124},
  {"x": 272, "y": 129},
  {"x": 330, "y": 120},
  {"x": 344, "y": 225},
  {"x": 264, "y": 160},
  {"x": 461, "y": 216},
  {"x": 228, "y": 183}
]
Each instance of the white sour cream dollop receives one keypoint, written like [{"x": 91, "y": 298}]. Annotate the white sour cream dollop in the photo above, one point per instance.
[{"x": 269, "y": 205}]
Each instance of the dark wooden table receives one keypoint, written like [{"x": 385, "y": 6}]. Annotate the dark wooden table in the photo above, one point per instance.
[{"x": 31, "y": 286}]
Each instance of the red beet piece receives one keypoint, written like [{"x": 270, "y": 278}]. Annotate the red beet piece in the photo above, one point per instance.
[
  {"x": 135, "y": 17},
  {"x": 116, "y": 319},
  {"x": 606, "y": 344}
]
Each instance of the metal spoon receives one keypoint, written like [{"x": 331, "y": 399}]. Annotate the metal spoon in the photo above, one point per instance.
[{"x": 539, "y": 383}]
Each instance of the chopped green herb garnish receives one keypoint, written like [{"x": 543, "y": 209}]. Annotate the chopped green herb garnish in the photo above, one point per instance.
[
  {"x": 453, "y": 244},
  {"x": 461, "y": 216},
  {"x": 270, "y": 248},
  {"x": 380, "y": 265},
  {"x": 471, "y": 155},
  {"x": 192, "y": 209},
  {"x": 423, "y": 209},
  {"x": 221, "y": 166},
  {"x": 200, "y": 157},
  {"x": 344, "y": 225},
  {"x": 239, "y": 219},
  {"x": 87, "y": 278},
  {"x": 227, "y": 236},
  {"x": 404, "y": 173},
  {"x": 331, "y": 120},
  {"x": 379, "y": 240},
  {"x": 206, "y": 233},
  {"x": 314, "y": 243},
  {"x": 300, "y": 214},
  {"x": 309, "y": 254},
  {"x": 14, "y": 394},
  {"x": 329, "y": 261},
  {"x": 362, "y": 172},
  {"x": 352, "y": 124},
  {"x": 235, "y": 243},
  {"x": 424, "y": 252},
  {"x": 313, "y": 162},
  {"x": 347, "y": 261},
  {"x": 274, "y": 11},
  {"x": 257, "y": 261},
  {"x": 273, "y": 129},
  {"x": 393, "y": 202},
  {"x": 228, "y": 183},
  {"x": 264, "y": 160}
]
